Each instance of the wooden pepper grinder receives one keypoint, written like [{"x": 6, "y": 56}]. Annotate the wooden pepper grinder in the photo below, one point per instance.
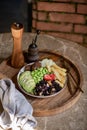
[{"x": 17, "y": 59}]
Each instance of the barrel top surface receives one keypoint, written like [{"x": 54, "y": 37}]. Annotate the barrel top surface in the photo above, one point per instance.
[{"x": 77, "y": 56}]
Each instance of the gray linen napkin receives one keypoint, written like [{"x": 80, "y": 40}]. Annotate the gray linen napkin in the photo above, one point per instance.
[{"x": 17, "y": 111}]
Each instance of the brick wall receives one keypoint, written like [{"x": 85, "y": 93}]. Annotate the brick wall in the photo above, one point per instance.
[{"x": 61, "y": 18}]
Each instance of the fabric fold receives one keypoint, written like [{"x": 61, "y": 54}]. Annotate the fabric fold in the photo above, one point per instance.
[{"x": 17, "y": 111}]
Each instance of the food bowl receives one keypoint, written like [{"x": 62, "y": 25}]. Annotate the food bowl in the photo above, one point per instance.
[{"x": 23, "y": 69}]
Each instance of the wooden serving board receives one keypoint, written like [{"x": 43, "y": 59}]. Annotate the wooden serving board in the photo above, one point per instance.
[{"x": 56, "y": 104}]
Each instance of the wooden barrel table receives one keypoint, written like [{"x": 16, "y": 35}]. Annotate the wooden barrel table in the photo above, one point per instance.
[{"x": 63, "y": 100}]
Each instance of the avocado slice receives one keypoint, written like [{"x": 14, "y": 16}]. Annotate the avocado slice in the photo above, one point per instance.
[{"x": 26, "y": 81}]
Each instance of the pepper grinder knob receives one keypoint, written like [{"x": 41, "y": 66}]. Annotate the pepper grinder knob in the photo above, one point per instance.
[{"x": 17, "y": 59}]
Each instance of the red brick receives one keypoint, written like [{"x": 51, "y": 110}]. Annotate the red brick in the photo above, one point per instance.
[
  {"x": 34, "y": 23},
  {"x": 61, "y": 7},
  {"x": 42, "y": 16},
  {"x": 62, "y": 0},
  {"x": 73, "y": 18},
  {"x": 77, "y": 1},
  {"x": 54, "y": 27},
  {"x": 82, "y": 9},
  {"x": 71, "y": 37},
  {"x": 80, "y": 1},
  {"x": 81, "y": 29},
  {"x": 34, "y": 5},
  {"x": 34, "y": 14}
]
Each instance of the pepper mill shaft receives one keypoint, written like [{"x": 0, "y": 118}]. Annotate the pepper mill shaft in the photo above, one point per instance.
[{"x": 17, "y": 59}]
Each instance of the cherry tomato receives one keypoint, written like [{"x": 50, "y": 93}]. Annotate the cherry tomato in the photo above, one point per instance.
[
  {"x": 52, "y": 76},
  {"x": 49, "y": 76}
]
